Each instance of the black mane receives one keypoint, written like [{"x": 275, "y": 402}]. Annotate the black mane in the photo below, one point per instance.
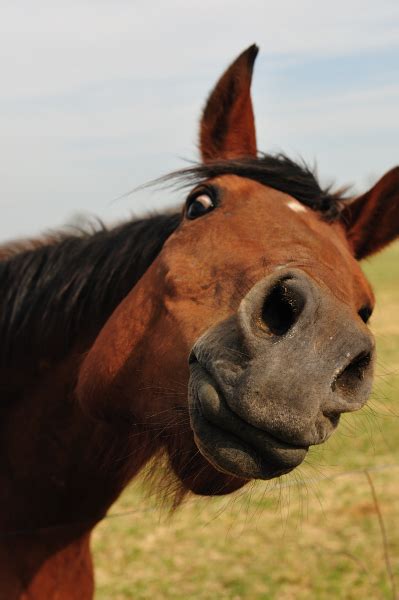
[
  {"x": 276, "y": 171},
  {"x": 70, "y": 284}
]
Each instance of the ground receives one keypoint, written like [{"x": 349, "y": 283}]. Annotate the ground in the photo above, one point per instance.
[{"x": 313, "y": 534}]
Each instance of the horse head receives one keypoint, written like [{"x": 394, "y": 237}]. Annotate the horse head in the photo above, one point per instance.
[{"x": 246, "y": 338}]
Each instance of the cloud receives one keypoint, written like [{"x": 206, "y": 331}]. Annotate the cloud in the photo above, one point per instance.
[
  {"x": 50, "y": 46},
  {"x": 98, "y": 97}
]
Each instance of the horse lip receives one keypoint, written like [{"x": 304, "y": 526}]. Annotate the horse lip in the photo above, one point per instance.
[
  {"x": 274, "y": 440},
  {"x": 281, "y": 441},
  {"x": 276, "y": 455},
  {"x": 194, "y": 360},
  {"x": 268, "y": 437}
]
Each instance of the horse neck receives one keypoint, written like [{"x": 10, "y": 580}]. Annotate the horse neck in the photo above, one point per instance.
[
  {"x": 59, "y": 474},
  {"x": 46, "y": 566},
  {"x": 55, "y": 299},
  {"x": 59, "y": 470}
]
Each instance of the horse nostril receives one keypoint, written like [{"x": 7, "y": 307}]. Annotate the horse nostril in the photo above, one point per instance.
[
  {"x": 281, "y": 308},
  {"x": 348, "y": 380}
]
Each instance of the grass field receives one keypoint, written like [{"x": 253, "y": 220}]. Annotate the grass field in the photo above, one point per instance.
[{"x": 312, "y": 534}]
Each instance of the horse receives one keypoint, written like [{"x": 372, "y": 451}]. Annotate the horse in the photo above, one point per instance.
[{"x": 221, "y": 341}]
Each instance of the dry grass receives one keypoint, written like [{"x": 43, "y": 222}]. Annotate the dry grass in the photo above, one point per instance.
[{"x": 313, "y": 534}]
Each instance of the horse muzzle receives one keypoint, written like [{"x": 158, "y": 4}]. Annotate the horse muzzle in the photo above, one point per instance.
[{"x": 273, "y": 379}]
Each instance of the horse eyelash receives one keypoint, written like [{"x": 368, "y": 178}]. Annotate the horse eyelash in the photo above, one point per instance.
[{"x": 208, "y": 189}]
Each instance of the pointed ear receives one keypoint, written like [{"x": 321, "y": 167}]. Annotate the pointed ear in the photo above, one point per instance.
[
  {"x": 372, "y": 220},
  {"x": 228, "y": 126}
]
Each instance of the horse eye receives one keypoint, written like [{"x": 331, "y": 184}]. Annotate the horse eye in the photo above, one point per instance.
[
  {"x": 199, "y": 205},
  {"x": 365, "y": 313}
]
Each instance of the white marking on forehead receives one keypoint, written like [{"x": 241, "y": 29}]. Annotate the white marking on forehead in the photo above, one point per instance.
[{"x": 296, "y": 206}]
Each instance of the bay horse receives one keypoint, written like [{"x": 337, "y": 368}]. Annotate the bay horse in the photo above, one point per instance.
[{"x": 227, "y": 336}]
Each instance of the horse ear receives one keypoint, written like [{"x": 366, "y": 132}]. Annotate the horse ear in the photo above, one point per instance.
[
  {"x": 372, "y": 220},
  {"x": 228, "y": 127}
]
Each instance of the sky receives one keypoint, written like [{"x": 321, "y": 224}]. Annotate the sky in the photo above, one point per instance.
[{"x": 99, "y": 97}]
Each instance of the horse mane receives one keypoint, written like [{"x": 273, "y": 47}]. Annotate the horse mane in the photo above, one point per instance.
[
  {"x": 67, "y": 284},
  {"x": 278, "y": 171}
]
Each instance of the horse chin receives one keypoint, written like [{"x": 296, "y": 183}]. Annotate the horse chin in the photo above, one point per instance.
[{"x": 229, "y": 443}]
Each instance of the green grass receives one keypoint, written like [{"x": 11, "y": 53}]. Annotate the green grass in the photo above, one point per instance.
[{"x": 312, "y": 534}]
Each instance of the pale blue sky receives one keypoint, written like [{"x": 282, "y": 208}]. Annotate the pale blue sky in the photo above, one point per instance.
[{"x": 100, "y": 96}]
